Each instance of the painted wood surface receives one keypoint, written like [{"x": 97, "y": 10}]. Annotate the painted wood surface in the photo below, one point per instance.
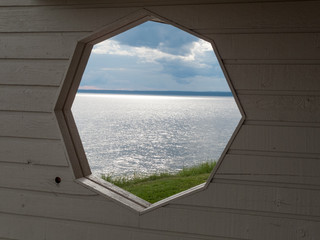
[
  {"x": 28, "y": 98},
  {"x": 258, "y": 197},
  {"x": 71, "y": 19},
  {"x": 245, "y": 17},
  {"x": 228, "y": 222},
  {"x": 275, "y": 77},
  {"x": 281, "y": 107},
  {"x": 28, "y": 125},
  {"x": 141, "y": 3},
  {"x": 39, "y": 178},
  {"x": 33, "y": 72},
  {"x": 266, "y": 186},
  {"x": 33, "y": 151},
  {"x": 276, "y": 139},
  {"x": 39, "y": 228},
  {"x": 38, "y": 45}
]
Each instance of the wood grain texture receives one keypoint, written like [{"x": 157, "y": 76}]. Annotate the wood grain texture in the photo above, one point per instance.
[
  {"x": 32, "y": 72},
  {"x": 33, "y": 151},
  {"x": 267, "y": 186},
  {"x": 16, "y": 3},
  {"x": 30, "y": 98},
  {"x": 212, "y": 18},
  {"x": 275, "y": 169},
  {"x": 110, "y": 194},
  {"x": 75, "y": 208},
  {"x": 277, "y": 107},
  {"x": 38, "y": 45},
  {"x": 252, "y": 198},
  {"x": 273, "y": 77},
  {"x": 28, "y": 125},
  {"x": 278, "y": 139},
  {"x": 39, "y": 178},
  {"x": 29, "y": 227},
  {"x": 229, "y": 223},
  {"x": 245, "y": 17},
  {"x": 281, "y": 46},
  {"x": 70, "y": 19},
  {"x": 77, "y": 169}
]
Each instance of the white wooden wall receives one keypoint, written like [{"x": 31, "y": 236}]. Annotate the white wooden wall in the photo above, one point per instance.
[{"x": 267, "y": 186}]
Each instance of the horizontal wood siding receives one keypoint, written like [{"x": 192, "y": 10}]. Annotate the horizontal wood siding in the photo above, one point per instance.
[
  {"x": 276, "y": 169},
  {"x": 70, "y": 19},
  {"x": 275, "y": 77},
  {"x": 245, "y": 17},
  {"x": 281, "y": 107},
  {"x": 38, "y": 45},
  {"x": 262, "y": 198},
  {"x": 33, "y": 151},
  {"x": 28, "y": 98},
  {"x": 49, "y": 72},
  {"x": 228, "y": 222},
  {"x": 28, "y": 125},
  {"x": 275, "y": 139},
  {"x": 39, "y": 178},
  {"x": 266, "y": 186}
]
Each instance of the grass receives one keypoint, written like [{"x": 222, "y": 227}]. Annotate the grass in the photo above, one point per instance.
[{"x": 155, "y": 187}]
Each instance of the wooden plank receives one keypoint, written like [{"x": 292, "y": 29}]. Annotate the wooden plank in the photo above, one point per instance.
[
  {"x": 31, "y": 125},
  {"x": 16, "y": 3},
  {"x": 277, "y": 139},
  {"x": 287, "y": 16},
  {"x": 229, "y": 223},
  {"x": 282, "y": 46},
  {"x": 305, "y": 182},
  {"x": 29, "y": 227},
  {"x": 33, "y": 151},
  {"x": 48, "y": 19},
  {"x": 218, "y": 225},
  {"x": 209, "y": 17},
  {"x": 275, "y": 77},
  {"x": 78, "y": 169},
  {"x": 38, "y": 45},
  {"x": 117, "y": 190},
  {"x": 27, "y": 98},
  {"x": 32, "y": 72},
  {"x": 296, "y": 108},
  {"x": 76, "y": 208},
  {"x": 269, "y": 199},
  {"x": 296, "y": 170},
  {"x": 112, "y": 195},
  {"x": 39, "y": 178}
]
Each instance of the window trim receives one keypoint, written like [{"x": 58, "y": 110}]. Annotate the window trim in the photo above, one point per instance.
[{"x": 70, "y": 135}]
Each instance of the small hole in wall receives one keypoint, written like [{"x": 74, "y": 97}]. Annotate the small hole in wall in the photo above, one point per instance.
[{"x": 57, "y": 180}]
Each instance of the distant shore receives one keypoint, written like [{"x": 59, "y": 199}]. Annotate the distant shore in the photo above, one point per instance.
[{"x": 159, "y": 93}]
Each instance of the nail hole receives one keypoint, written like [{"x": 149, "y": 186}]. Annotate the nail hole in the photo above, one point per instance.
[{"x": 57, "y": 180}]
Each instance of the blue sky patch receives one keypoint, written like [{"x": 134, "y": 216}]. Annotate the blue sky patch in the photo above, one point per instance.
[{"x": 154, "y": 56}]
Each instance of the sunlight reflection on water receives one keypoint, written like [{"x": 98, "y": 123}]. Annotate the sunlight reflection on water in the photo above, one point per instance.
[{"x": 127, "y": 134}]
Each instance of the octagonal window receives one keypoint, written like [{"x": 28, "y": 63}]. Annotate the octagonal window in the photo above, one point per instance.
[{"x": 153, "y": 110}]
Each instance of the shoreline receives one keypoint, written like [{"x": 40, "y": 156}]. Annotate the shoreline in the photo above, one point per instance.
[{"x": 159, "y": 93}]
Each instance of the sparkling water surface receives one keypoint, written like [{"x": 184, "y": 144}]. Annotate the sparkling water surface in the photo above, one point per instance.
[{"x": 138, "y": 134}]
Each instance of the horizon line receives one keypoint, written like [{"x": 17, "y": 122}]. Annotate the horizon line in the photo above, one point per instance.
[{"x": 159, "y": 92}]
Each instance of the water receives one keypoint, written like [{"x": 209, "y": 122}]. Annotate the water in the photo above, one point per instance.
[{"x": 128, "y": 134}]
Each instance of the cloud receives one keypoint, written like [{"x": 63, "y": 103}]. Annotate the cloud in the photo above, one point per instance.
[
  {"x": 150, "y": 34},
  {"x": 194, "y": 52},
  {"x": 113, "y": 69},
  {"x": 154, "y": 56}
]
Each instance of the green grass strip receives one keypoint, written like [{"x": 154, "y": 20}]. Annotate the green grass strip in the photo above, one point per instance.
[{"x": 156, "y": 187}]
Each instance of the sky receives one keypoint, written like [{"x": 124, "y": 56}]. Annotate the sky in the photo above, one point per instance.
[{"x": 154, "y": 56}]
